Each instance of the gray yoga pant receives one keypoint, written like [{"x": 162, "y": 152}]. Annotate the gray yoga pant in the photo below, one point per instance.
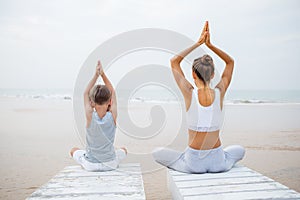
[{"x": 200, "y": 161}]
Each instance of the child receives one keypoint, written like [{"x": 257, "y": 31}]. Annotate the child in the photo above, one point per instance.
[{"x": 101, "y": 116}]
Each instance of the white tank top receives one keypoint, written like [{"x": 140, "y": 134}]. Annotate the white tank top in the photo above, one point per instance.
[{"x": 204, "y": 118}]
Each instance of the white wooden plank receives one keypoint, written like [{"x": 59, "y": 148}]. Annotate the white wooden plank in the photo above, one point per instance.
[
  {"x": 92, "y": 197},
  {"x": 75, "y": 183},
  {"x": 232, "y": 188},
  {"x": 281, "y": 194},
  {"x": 117, "y": 189},
  {"x": 92, "y": 174},
  {"x": 230, "y": 181},
  {"x": 192, "y": 177},
  {"x": 171, "y": 184},
  {"x": 89, "y": 182},
  {"x": 238, "y": 183}
]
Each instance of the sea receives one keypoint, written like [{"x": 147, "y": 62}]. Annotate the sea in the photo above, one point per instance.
[{"x": 163, "y": 95}]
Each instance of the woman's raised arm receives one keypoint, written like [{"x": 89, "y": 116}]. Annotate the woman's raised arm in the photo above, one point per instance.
[
  {"x": 178, "y": 74},
  {"x": 227, "y": 74}
]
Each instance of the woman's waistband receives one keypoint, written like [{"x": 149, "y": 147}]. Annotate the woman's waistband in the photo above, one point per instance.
[{"x": 199, "y": 151}]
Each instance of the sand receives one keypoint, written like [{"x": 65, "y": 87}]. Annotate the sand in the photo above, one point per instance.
[{"x": 37, "y": 134}]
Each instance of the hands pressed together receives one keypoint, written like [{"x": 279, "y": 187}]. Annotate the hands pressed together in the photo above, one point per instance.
[
  {"x": 99, "y": 69},
  {"x": 205, "y": 35}
]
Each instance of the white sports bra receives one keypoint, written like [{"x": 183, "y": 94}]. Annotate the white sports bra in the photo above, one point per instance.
[{"x": 204, "y": 118}]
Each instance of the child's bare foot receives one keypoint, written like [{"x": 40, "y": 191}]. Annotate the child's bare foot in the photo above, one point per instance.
[{"x": 73, "y": 150}]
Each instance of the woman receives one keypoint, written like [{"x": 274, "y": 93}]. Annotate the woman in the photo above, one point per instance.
[
  {"x": 101, "y": 114},
  {"x": 204, "y": 109}
]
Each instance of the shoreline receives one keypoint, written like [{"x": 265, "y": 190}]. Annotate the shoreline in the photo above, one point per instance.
[{"x": 226, "y": 102}]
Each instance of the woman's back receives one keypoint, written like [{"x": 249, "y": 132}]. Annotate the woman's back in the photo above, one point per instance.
[{"x": 204, "y": 118}]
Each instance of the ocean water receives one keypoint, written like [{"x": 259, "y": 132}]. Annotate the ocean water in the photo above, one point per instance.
[
  {"x": 263, "y": 96},
  {"x": 232, "y": 96},
  {"x": 63, "y": 94},
  {"x": 163, "y": 95}
]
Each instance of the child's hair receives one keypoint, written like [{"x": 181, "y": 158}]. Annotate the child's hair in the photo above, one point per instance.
[
  {"x": 204, "y": 68},
  {"x": 100, "y": 94}
]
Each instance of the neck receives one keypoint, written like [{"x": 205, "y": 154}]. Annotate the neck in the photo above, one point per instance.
[
  {"x": 101, "y": 113},
  {"x": 201, "y": 86}
]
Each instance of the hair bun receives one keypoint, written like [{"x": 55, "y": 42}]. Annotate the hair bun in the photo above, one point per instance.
[
  {"x": 204, "y": 68},
  {"x": 207, "y": 60}
]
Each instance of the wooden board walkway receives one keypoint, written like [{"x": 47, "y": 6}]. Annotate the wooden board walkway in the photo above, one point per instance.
[
  {"x": 77, "y": 184},
  {"x": 238, "y": 183}
]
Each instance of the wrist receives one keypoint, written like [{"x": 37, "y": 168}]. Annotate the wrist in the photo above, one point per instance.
[
  {"x": 209, "y": 45},
  {"x": 199, "y": 43}
]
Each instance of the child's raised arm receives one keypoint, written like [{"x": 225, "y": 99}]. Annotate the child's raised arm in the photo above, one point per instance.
[
  {"x": 113, "y": 107},
  {"x": 88, "y": 104}
]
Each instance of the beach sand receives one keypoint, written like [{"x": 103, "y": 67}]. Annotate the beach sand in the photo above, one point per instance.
[{"x": 37, "y": 134}]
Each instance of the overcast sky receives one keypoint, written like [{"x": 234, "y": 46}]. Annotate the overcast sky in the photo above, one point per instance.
[{"x": 44, "y": 43}]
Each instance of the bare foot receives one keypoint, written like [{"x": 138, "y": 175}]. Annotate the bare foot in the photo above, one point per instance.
[
  {"x": 124, "y": 149},
  {"x": 73, "y": 150}
]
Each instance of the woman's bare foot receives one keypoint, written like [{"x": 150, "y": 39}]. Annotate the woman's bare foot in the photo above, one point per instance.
[{"x": 124, "y": 149}]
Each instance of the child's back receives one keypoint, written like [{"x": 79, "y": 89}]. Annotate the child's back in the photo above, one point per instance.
[{"x": 100, "y": 138}]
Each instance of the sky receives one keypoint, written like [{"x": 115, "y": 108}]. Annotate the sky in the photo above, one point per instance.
[{"x": 43, "y": 44}]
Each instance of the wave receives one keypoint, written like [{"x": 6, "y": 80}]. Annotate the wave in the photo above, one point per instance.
[
  {"x": 67, "y": 97},
  {"x": 251, "y": 101},
  {"x": 227, "y": 101},
  {"x": 144, "y": 98},
  {"x": 149, "y": 100}
]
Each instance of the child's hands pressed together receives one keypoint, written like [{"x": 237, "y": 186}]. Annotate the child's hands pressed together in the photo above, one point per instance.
[{"x": 99, "y": 68}]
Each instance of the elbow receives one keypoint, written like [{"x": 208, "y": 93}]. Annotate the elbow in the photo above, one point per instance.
[
  {"x": 86, "y": 93},
  {"x": 113, "y": 93},
  {"x": 230, "y": 62},
  {"x": 174, "y": 61}
]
